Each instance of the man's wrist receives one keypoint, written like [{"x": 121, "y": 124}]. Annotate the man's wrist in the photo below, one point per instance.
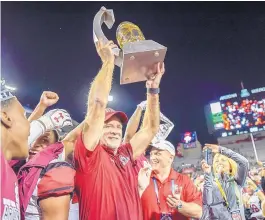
[
  {"x": 42, "y": 107},
  {"x": 179, "y": 205},
  {"x": 108, "y": 63},
  {"x": 153, "y": 90}
]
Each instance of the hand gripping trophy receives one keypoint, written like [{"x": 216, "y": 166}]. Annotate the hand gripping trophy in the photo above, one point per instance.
[{"x": 136, "y": 56}]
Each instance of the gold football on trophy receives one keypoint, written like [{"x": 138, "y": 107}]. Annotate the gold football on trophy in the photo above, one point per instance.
[{"x": 128, "y": 32}]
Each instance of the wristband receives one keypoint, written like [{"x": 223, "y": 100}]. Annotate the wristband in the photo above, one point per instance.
[
  {"x": 256, "y": 190},
  {"x": 179, "y": 205},
  {"x": 153, "y": 90}
]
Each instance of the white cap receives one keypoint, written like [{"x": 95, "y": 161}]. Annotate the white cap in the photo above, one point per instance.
[{"x": 165, "y": 145}]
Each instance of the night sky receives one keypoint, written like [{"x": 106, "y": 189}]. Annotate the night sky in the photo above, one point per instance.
[{"x": 212, "y": 46}]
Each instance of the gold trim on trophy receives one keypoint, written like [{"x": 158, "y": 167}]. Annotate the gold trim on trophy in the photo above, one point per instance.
[{"x": 128, "y": 32}]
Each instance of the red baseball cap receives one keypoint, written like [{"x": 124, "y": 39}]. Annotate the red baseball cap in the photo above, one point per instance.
[{"x": 121, "y": 115}]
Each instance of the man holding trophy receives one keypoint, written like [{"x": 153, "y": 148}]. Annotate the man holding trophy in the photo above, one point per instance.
[{"x": 106, "y": 184}]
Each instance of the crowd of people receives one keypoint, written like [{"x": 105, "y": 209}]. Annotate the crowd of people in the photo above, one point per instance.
[{"x": 55, "y": 169}]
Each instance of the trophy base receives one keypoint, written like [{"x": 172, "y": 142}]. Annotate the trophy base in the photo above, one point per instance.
[{"x": 139, "y": 59}]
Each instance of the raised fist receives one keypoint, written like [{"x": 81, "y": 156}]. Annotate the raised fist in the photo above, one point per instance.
[{"x": 48, "y": 99}]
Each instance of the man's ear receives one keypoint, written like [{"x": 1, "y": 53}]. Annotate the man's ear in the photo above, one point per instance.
[{"x": 6, "y": 120}]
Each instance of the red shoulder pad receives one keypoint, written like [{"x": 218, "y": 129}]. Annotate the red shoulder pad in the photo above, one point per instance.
[{"x": 56, "y": 179}]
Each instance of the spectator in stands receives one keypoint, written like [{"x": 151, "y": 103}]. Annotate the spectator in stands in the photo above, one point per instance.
[
  {"x": 222, "y": 190},
  {"x": 253, "y": 201},
  {"x": 263, "y": 179},
  {"x": 254, "y": 174},
  {"x": 15, "y": 130},
  {"x": 170, "y": 195},
  {"x": 189, "y": 170},
  {"x": 105, "y": 185}
]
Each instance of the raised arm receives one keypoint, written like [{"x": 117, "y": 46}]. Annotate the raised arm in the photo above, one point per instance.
[
  {"x": 207, "y": 198},
  {"x": 54, "y": 119},
  {"x": 164, "y": 128},
  {"x": 47, "y": 99},
  {"x": 98, "y": 96},
  {"x": 242, "y": 162},
  {"x": 133, "y": 124},
  {"x": 70, "y": 138},
  {"x": 151, "y": 121}
]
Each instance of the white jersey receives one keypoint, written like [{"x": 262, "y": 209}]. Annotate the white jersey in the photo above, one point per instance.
[{"x": 255, "y": 208}]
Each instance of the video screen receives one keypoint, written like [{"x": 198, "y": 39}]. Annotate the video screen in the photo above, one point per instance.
[
  {"x": 217, "y": 115},
  {"x": 243, "y": 113},
  {"x": 188, "y": 139},
  {"x": 237, "y": 113}
]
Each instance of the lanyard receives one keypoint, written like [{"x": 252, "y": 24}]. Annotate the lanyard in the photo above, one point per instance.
[
  {"x": 223, "y": 192},
  {"x": 157, "y": 191}
]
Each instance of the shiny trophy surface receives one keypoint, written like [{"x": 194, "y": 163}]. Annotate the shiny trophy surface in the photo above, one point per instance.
[{"x": 136, "y": 56}]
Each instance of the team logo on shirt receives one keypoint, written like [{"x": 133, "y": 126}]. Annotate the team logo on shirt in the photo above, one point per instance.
[
  {"x": 11, "y": 208},
  {"x": 124, "y": 160}
]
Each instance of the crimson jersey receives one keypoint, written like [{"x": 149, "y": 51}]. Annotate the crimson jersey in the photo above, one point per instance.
[{"x": 9, "y": 192}]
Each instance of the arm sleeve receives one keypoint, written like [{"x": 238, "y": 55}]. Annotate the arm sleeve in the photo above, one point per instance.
[
  {"x": 208, "y": 189},
  {"x": 242, "y": 165},
  {"x": 205, "y": 213},
  {"x": 56, "y": 180}
]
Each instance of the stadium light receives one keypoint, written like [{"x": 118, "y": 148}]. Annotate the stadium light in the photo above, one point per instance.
[
  {"x": 110, "y": 98},
  {"x": 10, "y": 88}
]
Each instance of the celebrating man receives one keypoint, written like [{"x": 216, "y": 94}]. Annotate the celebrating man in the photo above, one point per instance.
[
  {"x": 14, "y": 145},
  {"x": 106, "y": 185},
  {"x": 170, "y": 195}
]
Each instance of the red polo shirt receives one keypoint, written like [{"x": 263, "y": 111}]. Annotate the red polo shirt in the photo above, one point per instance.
[
  {"x": 151, "y": 210},
  {"x": 106, "y": 184}
]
